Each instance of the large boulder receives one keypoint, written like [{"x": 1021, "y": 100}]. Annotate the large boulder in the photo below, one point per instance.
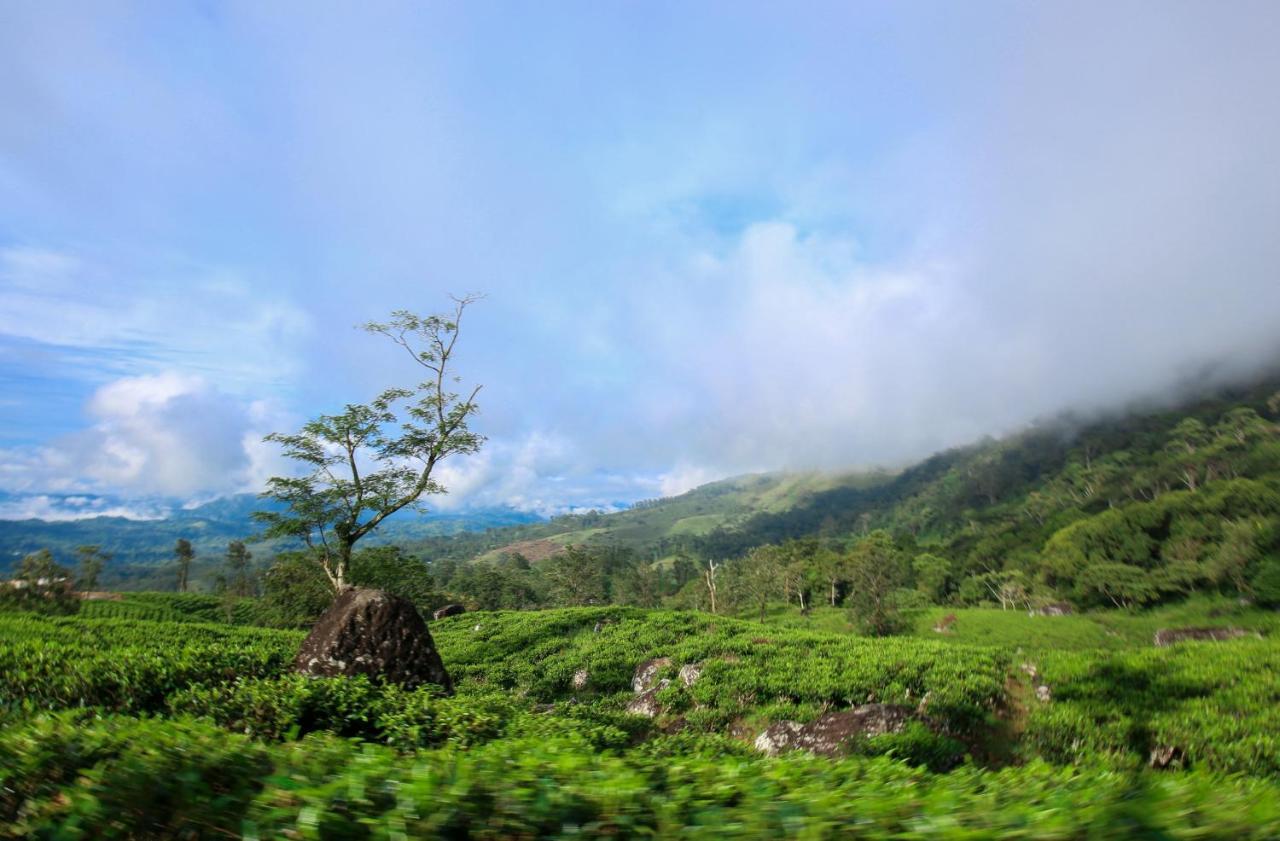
[
  {"x": 448, "y": 610},
  {"x": 834, "y": 733},
  {"x": 780, "y": 736},
  {"x": 1168, "y": 636},
  {"x": 369, "y": 632}
]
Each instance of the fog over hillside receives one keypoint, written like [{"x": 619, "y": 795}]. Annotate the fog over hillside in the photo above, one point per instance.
[{"x": 818, "y": 238}]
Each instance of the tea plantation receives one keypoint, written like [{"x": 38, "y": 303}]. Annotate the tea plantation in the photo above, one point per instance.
[{"x": 159, "y": 726}]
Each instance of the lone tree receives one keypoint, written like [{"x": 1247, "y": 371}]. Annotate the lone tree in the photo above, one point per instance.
[
  {"x": 374, "y": 459},
  {"x": 238, "y": 557},
  {"x": 184, "y": 555},
  {"x": 876, "y": 570},
  {"x": 92, "y": 560}
]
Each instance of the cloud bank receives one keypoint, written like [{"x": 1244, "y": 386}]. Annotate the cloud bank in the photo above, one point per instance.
[{"x": 166, "y": 435}]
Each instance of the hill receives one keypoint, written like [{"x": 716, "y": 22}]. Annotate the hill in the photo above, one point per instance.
[
  {"x": 1090, "y": 464},
  {"x": 1133, "y": 507},
  {"x": 652, "y": 525}
]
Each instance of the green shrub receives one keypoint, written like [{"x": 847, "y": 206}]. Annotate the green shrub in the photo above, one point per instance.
[
  {"x": 69, "y": 776},
  {"x": 1215, "y": 702},
  {"x": 72, "y": 775},
  {"x": 1266, "y": 583},
  {"x": 916, "y": 745},
  {"x": 126, "y": 665}
]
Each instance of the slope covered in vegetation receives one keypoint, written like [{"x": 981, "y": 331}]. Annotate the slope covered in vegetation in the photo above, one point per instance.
[
  {"x": 156, "y": 729},
  {"x": 1142, "y": 508}
]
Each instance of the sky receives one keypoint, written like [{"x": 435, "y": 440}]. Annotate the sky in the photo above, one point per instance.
[{"x": 713, "y": 238}]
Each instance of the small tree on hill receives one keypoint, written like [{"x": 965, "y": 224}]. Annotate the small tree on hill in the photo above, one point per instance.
[
  {"x": 576, "y": 576},
  {"x": 238, "y": 581},
  {"x": 834, "y": 570},
  {"x": 184, "y": 554},
  {"x": 710, "y": 578},
  {"x": 92, "y": 560},
  {"x": 756, "y": 578},
  {"x": 932, "y": 574},
  {"x": 876, "y": 571},
  {"x": 372, "y": 460}
]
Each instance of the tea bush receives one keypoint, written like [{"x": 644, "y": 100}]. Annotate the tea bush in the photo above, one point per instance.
[
  {"x": 1218, "y": 704},
  {"x": 126, "y": 665},
  {"x": 745, "y": 666},
  {"x": 191, "y": 729},
  {"x": 68, "y": 775}
]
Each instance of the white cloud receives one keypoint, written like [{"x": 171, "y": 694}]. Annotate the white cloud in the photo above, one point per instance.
[
  {"x": 64, "y": 508},
  {"x": 167, "y": 434},
  {"x": 685, "y": 478},
  {"x": 542, "y": 473}
]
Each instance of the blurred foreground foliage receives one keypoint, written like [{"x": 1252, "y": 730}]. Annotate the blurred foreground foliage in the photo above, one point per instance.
[{"x": 71, "y": 775}]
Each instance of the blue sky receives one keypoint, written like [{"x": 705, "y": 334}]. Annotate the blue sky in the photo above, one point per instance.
[{"x": 714, "y": 237}]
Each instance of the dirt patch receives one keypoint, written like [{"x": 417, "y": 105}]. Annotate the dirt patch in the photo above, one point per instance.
[{"x": 532, "y": 550}]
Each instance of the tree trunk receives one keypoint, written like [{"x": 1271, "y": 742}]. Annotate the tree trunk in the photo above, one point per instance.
[
  {"x": 341, "y": 568},
  {"x": 710, "y": 577}
]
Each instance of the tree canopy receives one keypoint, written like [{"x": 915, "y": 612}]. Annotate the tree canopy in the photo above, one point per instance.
[{"x": 373, "y": 459}]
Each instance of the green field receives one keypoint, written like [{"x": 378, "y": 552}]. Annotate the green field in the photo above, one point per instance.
[{"x": 136, "y": 727}]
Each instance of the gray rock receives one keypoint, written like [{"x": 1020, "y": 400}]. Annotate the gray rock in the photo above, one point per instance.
[
  {"x": 780, "y": 736},
  {"x": 646, "y": 703},
  {"x": 832, "y": 734},
  {"x": 689, "y": 673},
  {"x": 1055, "y": 609},
  {"x": 448, "y": 610},
  {"x": 369, "y": 632},
  {"x": 647, "y": 674}
]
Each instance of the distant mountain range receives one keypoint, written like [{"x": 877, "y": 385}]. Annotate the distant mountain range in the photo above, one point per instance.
[{"x": 140, "y": 546}]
